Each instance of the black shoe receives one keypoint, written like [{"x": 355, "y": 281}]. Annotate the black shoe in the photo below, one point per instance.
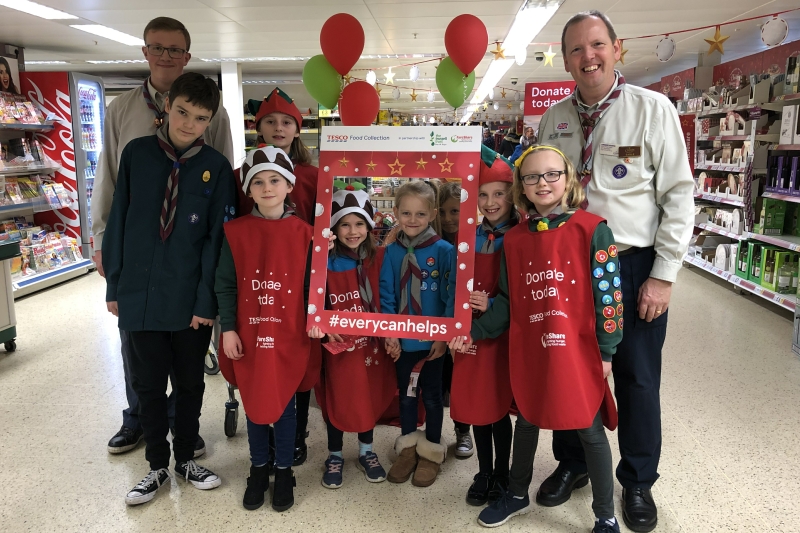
[
  {"x": 283, "y": 489},
  {"x": 300, "y": 449},
  {"x": 125, "y": 440},
  {"x": 146, "y": 489},
  {"x": 257, "y": 485},
  {"x": 499, "y": 487},
  {"x": 199, "y": 446},
  {"x": 558, "y": 488},
  {"x": 478, "y": 493},
  {"x": 639, "y": 510}
]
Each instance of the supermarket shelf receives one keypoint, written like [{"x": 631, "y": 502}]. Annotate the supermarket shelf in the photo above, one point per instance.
[
  {"x": 44, "y": 280},
  {"x": 27, "y": 171},
  {"x": 24, "y": 206},
  {"x": 716, "y": 111},
  {"x": 720, "y": 231},
  {"x": 310, "y": 130},
  {"x": 769, "y": 138},
  {"x": 724, "y": 138},
  {"x": 786, "y": 301},
  {"x": 26, "y": 127},
  {"x": 721, "y": 168},
  {"x": 250, "y": 132},
  {"x": 784, "y": 241},
  {"x": 784, "y": 197},
  {"x": 787, "y": 97},
  {"x": 786, "y": 147},
  {"x": 721, "y": 200}
]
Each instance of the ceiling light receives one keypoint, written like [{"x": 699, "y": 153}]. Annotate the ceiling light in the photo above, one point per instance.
[
  {"x": 109, "y": 33},
  {"x": 398, "y": 56},
  {"x": 272, "y": 82},
  {"x": 37, "y": 10},
  {"x": 253, "y": 59},
  {"x": 530, "y": 19},
  {"x": 116, "y": 61},
  {"x": 46, "y": 62}
]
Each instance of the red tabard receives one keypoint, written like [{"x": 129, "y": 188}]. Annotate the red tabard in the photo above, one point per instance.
[
  {"x": 357, "y": 385},
  {"x": 481, "y": 389},
  {"x": 270, "y": 318},
  {"x": 304, "y": 194},
  {"x": 554, "y": 359}
]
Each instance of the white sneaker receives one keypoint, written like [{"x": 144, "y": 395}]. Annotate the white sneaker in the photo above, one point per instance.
[
  {"x": 464, "y": 446},
  {"x": 202, "y": 478},
  {"x": 146, "y": 489}
]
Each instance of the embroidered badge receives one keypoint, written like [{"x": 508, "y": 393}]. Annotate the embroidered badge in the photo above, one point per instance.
[
  {"x": 193, "y": 218},
  {"x": 430, "y": 262},
  {"x": 612, "y": 251},
  {"x": 424, "y": 273},
  {"x": 601, "y": 256},
  {"x": 619, "y": 310},
  {"x": 617, "y": 282},
  {"x": 603, "y": 285},
  {"x": 608, "y": 312},
  {"x": 434, "y": 286},
  {"x": 607, "y": 299},
  {"x": 618, "y": 296},
  {"x": 620, "y": 323},
  {"x": 611, "y": 267},
  {"x": 620, "y": 171},
  {"x": 597, "y": 272},
  {"x": 566, "y": 134},
  {"x": 434, "y": 274},
  {"x": 207, "y": 191},
  {"x": 424, "y": 286},
  {"x": 610, "y": 326},
  {"x": 206, "y": 176},
  {"x": 233, "y": 210},
  {"x": 562, "y": 126},
  {"x": 552, "y": 136}
]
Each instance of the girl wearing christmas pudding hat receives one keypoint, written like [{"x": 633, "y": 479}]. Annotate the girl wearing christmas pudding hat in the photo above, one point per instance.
[
  {"x": 358, "y": 379},
  {"x": 481, "y": 388},
  {"x": 415, "y": 280},
  {"x": 261, "y": 286},
  {"x": 559, "y": 288},
  {"x": 278, "y": 123}
]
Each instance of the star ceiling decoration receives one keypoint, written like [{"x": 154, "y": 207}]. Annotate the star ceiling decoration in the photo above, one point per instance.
[
  {"x": 347, "y": 79},
  {"x": 716, "y": 42},
  {"x": 397, "y": 167},
  {"x": 508, "y": 105},
  {"x": 447, "y": 164},
  {"x": 343, "y": 161},
  {"x": 503, "y": 93},
  {"x": 548, "y": 56},
  {"x": 378, "y": 90},
  {"x": 389, "y": 77},
  {"x": 371, "y": 165},
  {"x": 499, "y": 53},
  {"x": 413, "y": 95},
  {"x": 622, "y": 52}
]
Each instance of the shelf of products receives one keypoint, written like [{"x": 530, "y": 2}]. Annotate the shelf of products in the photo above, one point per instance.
[
  {"x": 786, "y": 301},
  {"x": 713, "y": 228},
  {"x": 720, "y": 168},
  {"x": 719, "y": 199},
  {"x": 784, "y": 197},
  {"x": 36, "y": 282},
  {"x": 29, "y": 170},
  {"x": 790, "y": 242},
  {"x": 786, "y": 147}
]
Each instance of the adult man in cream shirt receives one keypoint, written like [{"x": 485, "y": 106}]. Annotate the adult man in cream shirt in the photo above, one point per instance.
[
  {"x": 129, "y": 117},
  {"x": 641, "y": 183}
]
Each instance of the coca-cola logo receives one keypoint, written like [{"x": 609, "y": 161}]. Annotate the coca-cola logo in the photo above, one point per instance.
[{"x": 87, "y": 93}]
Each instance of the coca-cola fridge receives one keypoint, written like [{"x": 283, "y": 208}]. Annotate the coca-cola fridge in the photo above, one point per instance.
[{"x": 76, "y": 104}]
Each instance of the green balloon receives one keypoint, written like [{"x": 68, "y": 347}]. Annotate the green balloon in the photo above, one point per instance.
[
  {"x": 452, "y": 84},
  {"x": 322, "y": 81}
]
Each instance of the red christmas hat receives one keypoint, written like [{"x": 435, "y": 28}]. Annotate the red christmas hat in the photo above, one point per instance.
[
  {"x": 494, "y": 167},
  {"x": 279, "y": 102}
]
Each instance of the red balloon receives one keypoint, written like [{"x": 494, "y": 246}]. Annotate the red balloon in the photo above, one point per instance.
[
  {"x": 359, "y": 105},
  {"x": 342, "y": 41},
  {"x": 466, "y": 40}
]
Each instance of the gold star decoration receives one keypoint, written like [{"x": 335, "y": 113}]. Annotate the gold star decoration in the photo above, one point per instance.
[
  {"x": 502, "y": 117},
  {"x": 389, "y": 77},
  {"x": 343, "y": 161},
  {"x": 421, "y": 163},
  {"x": 447, "y": 164},
  {"x": 413, "y": 95},
  {"x": 347, "y": 79},
  {"x": 499, "y": 53},
  {"x": 548, "y": 56},
  {"x": 503, "y": 93},
  {"x": 372, "y": 165},
  {"x": 508, "y": 105},
  {"x": 716, "y": 42},
  {"x": 378, "y": 90},
  {"x": 622, "y": 52},
  {"x": 397, "y": 167}
]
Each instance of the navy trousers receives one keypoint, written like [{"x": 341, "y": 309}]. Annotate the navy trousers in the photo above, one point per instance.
[{"x": 637, "y": 383}]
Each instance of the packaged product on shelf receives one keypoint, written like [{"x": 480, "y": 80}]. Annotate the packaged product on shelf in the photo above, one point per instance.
[
  {"x": 743, "y": 260},
  {"x": 62, "y": 194},
  {"x": 772, "y": 218},
  {"x": 40, "y": 262},
  {"x": 16, "y": 267},
  {"x": 52, "y": 197},
  {"x": 28, "y": 188},
  {"x": 13, "y": 191},
  {"x": 73, "y": 250}
]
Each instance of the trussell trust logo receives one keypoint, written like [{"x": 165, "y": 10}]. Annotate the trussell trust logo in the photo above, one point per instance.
[{"x": 437, "y": 140}]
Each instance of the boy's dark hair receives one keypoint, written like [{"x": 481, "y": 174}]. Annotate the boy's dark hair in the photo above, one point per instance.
[
  {"x": 167, "y": 24},
  {"x": 197, "y": 89},
  {"x": 580, "y": 17}
]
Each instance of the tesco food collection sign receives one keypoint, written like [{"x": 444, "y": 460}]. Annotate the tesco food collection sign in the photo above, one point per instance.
[{"x": 540, "y": 96}]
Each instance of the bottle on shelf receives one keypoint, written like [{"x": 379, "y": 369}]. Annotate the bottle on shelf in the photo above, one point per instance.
[
  {"x": 769, "y": 266},
  {"x": 785, "y": 278},
  {"x": 755, "y": 271},
  {"x": 743, "y": 260}
]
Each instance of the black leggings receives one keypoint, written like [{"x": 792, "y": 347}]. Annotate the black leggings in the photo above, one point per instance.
[
  {"x": 336, "y": 437},
  {"x": 501, "y": 431},
  {"x": 303, "y": 400}
]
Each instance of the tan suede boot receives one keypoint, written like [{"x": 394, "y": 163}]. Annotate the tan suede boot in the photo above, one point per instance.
[
  {"x": 431, "y": 456},
  {"x": 406, "y": 448}
]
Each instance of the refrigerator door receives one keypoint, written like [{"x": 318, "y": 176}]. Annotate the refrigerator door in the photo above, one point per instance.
[{"x": 88, "y": 118}]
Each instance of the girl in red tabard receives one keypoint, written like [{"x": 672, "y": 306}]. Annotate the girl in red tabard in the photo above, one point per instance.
[
  {"x": 481, "y": 390},
  {"x": 359, "y": 383},
  {"x": 559, "y": 300},
  {"x": 278, "y": 123},
  {"x": 262, "y": 289}
]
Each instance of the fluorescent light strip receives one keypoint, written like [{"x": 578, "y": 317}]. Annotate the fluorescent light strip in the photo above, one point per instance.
[
  {"x": 117, "y": 61},
  {"x": 46, "y": 62},
  {"x": 272, "y": 82},
  {"x": 527, "y": 24},
  {"x": 252, "y": 59},
  {"x": 109, "y": 33},
  {"x": 37, "y": 10}
]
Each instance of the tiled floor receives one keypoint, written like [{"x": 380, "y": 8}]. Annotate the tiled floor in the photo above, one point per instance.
[{"x": 731, "y": 391}]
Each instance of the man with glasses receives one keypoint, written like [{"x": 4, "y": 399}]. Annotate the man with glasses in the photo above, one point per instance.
[
  {"x": 139, "y": 113},
  {"x": 627, "y": 143}
]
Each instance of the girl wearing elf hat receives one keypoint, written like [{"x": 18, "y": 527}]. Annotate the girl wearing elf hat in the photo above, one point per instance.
[
  {"x": 481, "y": 387},
  {"x": 559, "y": 289},
  {"x": 278, "y": 123},
  {"x": 262, "y": 289},
  {"x": 359, "y": 382},
  {"x": 415, "y": 280}
]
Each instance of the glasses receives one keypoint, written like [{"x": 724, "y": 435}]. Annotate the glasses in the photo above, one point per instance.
[
  {"x": 174, "y": 53},
  {"x": 550, "y": 177}
]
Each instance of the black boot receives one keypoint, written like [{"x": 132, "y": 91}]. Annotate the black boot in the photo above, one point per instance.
[
  {"x": 478, "y": 493},
  {"x": 282, "y": 490},
  {"x": 257, "y": 485},
  {"x": 300, "y": 449},
  {"x": 499, "y": 487}
]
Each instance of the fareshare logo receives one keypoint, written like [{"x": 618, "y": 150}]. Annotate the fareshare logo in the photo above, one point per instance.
[
  {"x": 551, "y": 340},
  {"x": 461, "y": 139}
]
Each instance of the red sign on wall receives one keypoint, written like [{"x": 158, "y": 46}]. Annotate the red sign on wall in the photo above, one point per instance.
[
  {"x": 689, "y": 134},
  {"x": 541, "y": 95},
  {"x": 677, "y": 82},
  {"x": 773, "y": 60},
  {"x": 731, "y": 73}
]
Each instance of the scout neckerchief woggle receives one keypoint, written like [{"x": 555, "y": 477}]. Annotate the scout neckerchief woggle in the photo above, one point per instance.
[
  {"x": 159, "y": 120},
  {"x": 409, "y": 270},
  {"x": 588, "y": 124},
  {"x": 171, "y": 194}
]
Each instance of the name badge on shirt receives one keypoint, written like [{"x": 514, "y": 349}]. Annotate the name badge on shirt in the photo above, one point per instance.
[
  {"x": 630, "y": 151},
  {"x": 608, "y": 149}
]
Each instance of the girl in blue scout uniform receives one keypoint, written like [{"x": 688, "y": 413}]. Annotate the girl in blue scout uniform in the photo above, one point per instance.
[{"x": 415, "y": 280}]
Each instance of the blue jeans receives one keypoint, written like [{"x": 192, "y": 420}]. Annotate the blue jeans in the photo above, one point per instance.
[
  {"x": 430, "y": 381},
  {"x": 258, "y": 438},
  {"x": 130, "y": 415}
]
